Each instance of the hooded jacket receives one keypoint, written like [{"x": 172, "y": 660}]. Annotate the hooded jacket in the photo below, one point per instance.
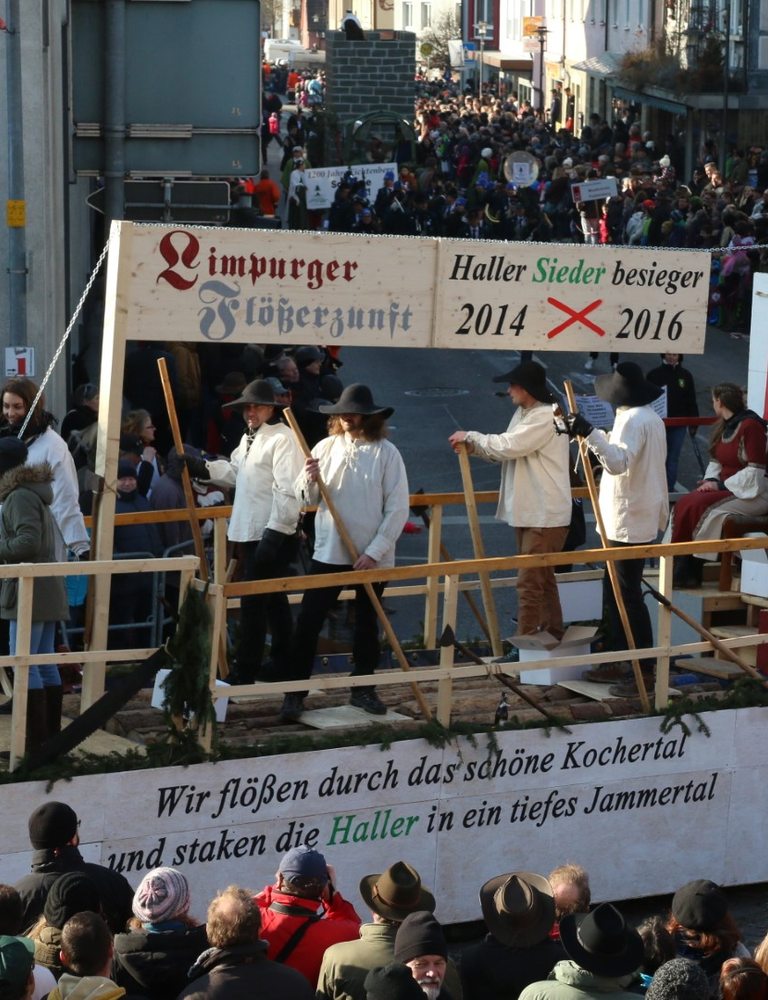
[
  {"x": 156, "y": 963},
  {"x": 85, "y": 988},
  {"x": 28, "y": 533},
  {"x": 243, "y": 972},
  {"x": 569, "y": 981}
]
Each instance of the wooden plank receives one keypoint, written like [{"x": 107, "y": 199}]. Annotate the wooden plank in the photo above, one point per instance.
[
  {"x": 347, "y": 716},
  {"x": 601, "y": 692},
  {"x": 712, "y": 667}
]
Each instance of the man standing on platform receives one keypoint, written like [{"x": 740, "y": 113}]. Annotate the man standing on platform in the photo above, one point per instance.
[
  {"x": 365, "y": 478},
  {"x": 535, "y": 494}
]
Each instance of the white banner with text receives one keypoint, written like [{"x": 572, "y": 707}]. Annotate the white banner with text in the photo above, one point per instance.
[{"x": 644, "y": 812}]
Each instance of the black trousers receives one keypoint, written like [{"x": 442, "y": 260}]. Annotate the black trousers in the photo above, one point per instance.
[
  {"x": 630, "y": 575},
  {"x": 315, "y": 605},
  {"x": 265, "y": 562}
]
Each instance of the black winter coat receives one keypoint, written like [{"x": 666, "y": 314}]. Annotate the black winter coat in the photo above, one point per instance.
[
  {"x": 245, "y": 973},
  {"x": 156, "y": 964}
]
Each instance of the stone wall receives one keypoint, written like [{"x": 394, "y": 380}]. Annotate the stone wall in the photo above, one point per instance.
[{"x": 376, "y": 73}]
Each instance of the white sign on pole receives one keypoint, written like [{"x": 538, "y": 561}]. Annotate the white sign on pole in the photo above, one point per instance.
[
  {"x": 322, "y": 183},
  {"x": 20, "y": 361},
  {"x": 596, "y": 411},
  {"x": 594, "y": 190},
  {"x": 521, "y": 172},
  {"x": 598, "y": 794},
  {"x": 268, "y": 286}
]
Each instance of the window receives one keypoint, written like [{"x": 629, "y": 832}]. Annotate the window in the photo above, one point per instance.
[
  {"x": 407, "y": 14},
  {"x": 426, "y": 15}
]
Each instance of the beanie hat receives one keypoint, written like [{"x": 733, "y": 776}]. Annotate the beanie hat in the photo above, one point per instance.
[
  {"x": 126, "y": 468},
  {"x": 163, "y": 894},
  {"x": 53, "y": 824},
  {"x": 392, "y": 982},
  {"x": 71, "y": 893},
  {"x": 304, "y": 862},
  {"x": 13, "y": 452},
  {"x": 679, "y": 979},
  {"x": 419, "y": 934}
]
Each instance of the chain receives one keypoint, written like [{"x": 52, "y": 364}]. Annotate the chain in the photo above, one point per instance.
[{"x": 64, "y": 339}]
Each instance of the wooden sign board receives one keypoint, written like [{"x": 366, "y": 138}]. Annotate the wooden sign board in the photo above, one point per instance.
[{"x": 263, "y": 286}]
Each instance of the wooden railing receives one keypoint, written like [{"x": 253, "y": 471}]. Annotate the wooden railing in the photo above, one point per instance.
[{"x": 439, "y": 583}]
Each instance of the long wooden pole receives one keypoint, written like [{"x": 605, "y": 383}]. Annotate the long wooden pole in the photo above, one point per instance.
[
  {"x": 479, "y": 549},
  {"x": 350, "y": 546},
  {"x": 611, "y": 566}
]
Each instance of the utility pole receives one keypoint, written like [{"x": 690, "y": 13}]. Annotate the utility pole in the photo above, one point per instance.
[
  {"x": 16, "y": 204},
  {"x": 481, "y": 29},
  {"x": 541, "y": 31}
]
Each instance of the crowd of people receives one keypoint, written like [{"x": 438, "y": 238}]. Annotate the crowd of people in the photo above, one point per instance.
[
  {"x": 456, "y": 181},
  {"x": 74, "y": 930}
]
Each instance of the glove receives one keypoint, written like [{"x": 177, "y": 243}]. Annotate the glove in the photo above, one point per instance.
[
  {"x": 84, "y": 556},
  {"x": 198, "y": 467},
  {"x": 578, "y": 426}
]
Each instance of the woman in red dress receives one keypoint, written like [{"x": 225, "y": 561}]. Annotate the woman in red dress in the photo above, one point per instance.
[{"x": 734, "y": 481}]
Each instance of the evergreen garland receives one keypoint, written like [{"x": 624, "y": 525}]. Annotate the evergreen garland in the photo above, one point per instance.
[{"x": 187, "y": 690}]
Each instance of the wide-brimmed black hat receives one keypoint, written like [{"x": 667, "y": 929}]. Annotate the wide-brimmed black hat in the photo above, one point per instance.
[
  {"x": 357, "y": 398},
  {"x": 518, "y": 908},
  {"x": 256, "y": 393},
  {"x": 602, "y": 942},
  {"x": 627, "y": 386},
  {"x": 532, "y": 377},
  {"x": 396, "y": 892},
  {"x": 699, "y": 905}
]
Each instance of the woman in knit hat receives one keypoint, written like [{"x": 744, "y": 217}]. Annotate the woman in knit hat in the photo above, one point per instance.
[{"x": 162, "y": 941}]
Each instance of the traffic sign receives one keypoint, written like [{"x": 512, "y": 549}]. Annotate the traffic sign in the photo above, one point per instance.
[{"x": 426, "y": 49}]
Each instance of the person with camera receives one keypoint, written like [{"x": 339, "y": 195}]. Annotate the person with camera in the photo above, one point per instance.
[{"x": 303, "y": 913}]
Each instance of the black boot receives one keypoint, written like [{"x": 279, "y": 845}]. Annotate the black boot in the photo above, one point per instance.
[
  {"x": 53, "y": 699},
  {"x": 36, "y": 719}
]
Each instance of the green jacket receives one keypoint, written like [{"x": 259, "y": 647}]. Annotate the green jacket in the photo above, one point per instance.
[
  {"x": 345, "y": 965},
  {"x": 568, "y": 981},
  {"x": 28, "y": 535}
]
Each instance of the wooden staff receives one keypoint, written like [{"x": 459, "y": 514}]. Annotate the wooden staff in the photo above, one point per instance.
[
  {"x": 350, "y": 546},
  {"x": 447, "y": 557},
  {"x": 189, "y": 493},
  {"x": 90, "y": 596},
  {"x": 189, "y": 496},
  {"x": 714, "y": 642},
  {"x": 611, "y": 566},
  {"x": 479, "y": 549}
]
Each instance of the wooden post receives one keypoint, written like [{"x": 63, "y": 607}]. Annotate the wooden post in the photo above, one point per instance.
[
  {"x": 350, "y": 546},
  {"x": 21, "y": 681},
  {"x": 447, "y": 654},
  {"x": 434, "y": 526},
  {"x": 663, "y": 633},
  {"x": 479, "y": 550},
  {"x": 612, "y": 573}
]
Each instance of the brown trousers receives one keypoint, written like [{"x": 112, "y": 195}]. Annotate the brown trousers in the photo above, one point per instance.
[{"x": 538, "y": 601}]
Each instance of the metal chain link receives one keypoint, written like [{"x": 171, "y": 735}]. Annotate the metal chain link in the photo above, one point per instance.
[{"x": 64, "y": 339}]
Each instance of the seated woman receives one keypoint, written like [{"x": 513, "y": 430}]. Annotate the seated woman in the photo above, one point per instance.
[{"x": 734, "y": 482}]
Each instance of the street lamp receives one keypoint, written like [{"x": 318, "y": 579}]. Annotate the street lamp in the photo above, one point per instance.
[
  {"x": 481, "y": 30},
  {"x": 541, "y": 33}
]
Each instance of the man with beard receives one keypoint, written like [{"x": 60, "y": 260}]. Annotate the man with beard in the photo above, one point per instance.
[{"x": 420, "y": 944}]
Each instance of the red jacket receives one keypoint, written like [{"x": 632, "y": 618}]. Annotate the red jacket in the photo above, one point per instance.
[{"x": 338, "y": 922}]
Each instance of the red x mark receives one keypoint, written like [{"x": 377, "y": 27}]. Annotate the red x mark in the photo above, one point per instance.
[{"x": 575, "y": 317}]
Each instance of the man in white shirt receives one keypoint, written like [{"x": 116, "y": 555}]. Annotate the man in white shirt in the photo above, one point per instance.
[
  {"x": 535, "y": 494},
  {"x": 265, "y": 517},
  {"x": 633, "y": 500},
  {"x": 366, "y": 480}
]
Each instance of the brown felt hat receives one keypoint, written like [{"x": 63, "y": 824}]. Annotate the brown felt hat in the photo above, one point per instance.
[
  {"x": 518, "y": 908},
  {"x": 396, "y": 893}
]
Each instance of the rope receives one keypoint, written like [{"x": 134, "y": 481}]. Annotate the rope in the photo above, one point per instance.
[{"x": 60, "y": 348}]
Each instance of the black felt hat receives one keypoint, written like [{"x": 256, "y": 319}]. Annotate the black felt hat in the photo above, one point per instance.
[
  {"x": 256, "y": 393},
  {"x": 602, "y": 942},
  {"x": 357, "y": 398},
  {"x": 532, "y": 377},
  {"x": 699, "y": 905},
  {"x": 626, "y": 386}
]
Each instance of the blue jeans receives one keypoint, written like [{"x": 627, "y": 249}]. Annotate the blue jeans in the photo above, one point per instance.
[{"x": 41, "y": 641}]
